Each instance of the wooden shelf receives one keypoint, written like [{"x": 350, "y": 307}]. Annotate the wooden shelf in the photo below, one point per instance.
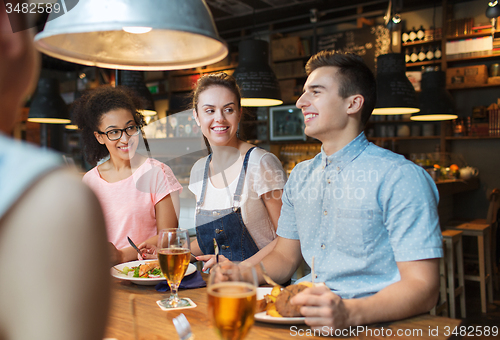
[
  {"x": 420, "y": 42},
  {"x": 472, "y": 87},
  {"x": 472, "y": 58},
  {"x": 467, "y": 36},
  {"x": 471, "y": 137},
  {"x": 436, "y": 62}
]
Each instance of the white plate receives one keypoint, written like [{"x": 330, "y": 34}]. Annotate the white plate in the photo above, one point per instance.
[
  {"x": 263, "y": 317},
  {"x": 146, "y": 281}
]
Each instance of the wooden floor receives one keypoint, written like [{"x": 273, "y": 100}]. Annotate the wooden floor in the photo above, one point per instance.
[{"x": 474, "y": 315}]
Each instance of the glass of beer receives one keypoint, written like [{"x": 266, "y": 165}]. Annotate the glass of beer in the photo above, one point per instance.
[
  {"x": 232, "y": 296},
  {"x": 174, "y": 255}
]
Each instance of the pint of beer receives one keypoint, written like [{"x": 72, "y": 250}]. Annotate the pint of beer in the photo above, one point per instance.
[{"x": 232, "y": 295}]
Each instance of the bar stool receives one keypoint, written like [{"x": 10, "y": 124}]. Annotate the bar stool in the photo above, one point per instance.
[
  {"x": 481, "y": 230},
  {"x": 442, "y": 306},
  {"x": 454, "y": 258}
]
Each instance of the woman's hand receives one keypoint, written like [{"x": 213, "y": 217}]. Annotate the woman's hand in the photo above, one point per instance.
[
  {"x": 210, "y": 260},
  {"x": 148, "y": 251},
  {"x": 115, "y": 255}
]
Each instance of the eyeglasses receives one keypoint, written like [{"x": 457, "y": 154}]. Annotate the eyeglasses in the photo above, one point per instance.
[{"x": 116, "y": 134}]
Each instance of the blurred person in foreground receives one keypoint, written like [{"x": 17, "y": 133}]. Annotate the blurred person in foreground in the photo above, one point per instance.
[
  {"x": 45, "y": 211},
  {"x": 367, "y": 215}
]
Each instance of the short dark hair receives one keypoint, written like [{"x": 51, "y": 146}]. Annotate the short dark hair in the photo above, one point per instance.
[
  {"x": 354, "y": 77},
  {"x": 215, "y": 79},
  {"x": 87, "y": 112}
]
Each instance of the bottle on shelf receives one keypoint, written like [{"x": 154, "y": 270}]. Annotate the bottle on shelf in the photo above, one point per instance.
[
  {"x": 405, "y": 37},
  {"x": 414, "y": 55},
  {"x": 407, "y": 55},
  {"x": 413, "y": 35},
  {"x": 437, "y": 52},
  {"x": 429, "y": 55},
  {"x": 420, "y": 33},
  {"x": 421, "y": 54}
]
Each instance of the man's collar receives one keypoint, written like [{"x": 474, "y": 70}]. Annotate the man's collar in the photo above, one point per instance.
[{"x": 346, "y": 155}]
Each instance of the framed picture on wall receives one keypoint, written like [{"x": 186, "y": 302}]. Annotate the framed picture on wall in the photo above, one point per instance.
[{"x": 286, "y": 123}]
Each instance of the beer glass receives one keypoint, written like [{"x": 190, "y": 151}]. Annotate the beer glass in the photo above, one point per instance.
[
  {"x": 174, "y": 255},
  {"x": 232, "y": 296}
]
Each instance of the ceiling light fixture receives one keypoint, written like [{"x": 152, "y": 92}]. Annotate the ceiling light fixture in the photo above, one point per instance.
[
  {"x": 395, "y": 93},
  {"x": 135, "y": 81},
  {"x": 493, "y": 12},
  {"x": 436, "y": 103},
  {"x": 257, "y": 81},
  {"x": 183, "y": 35},
  {"x": 47, "y": 105}
]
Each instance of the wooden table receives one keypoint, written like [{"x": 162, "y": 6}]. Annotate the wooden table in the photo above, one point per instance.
[{"x": 155, "y": 324}]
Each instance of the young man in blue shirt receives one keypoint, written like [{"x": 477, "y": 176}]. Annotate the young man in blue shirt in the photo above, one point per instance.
[{"x": 367, "y": 215}]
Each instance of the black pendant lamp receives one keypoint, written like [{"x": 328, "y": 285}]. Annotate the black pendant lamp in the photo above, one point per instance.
[
  {"x": 47, "y": 105},
  {"x": 395, "y": 93},
  {"x": 135, "y": 81},
  {"x": 493, "y": 12},
  {"x": 257, "y": 81},
  {"x": 436, "y": 103}
]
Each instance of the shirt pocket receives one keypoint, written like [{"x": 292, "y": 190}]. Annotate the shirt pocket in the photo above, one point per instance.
[{"x": 353, "y": 231}]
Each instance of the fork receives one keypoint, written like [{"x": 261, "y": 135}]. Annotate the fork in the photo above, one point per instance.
[
  {"x": 267, "y": 277},
  {"x": 182, "y": 327}
]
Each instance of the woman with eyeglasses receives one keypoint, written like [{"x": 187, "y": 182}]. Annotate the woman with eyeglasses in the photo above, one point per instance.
[{"x": 139, "y": 195}]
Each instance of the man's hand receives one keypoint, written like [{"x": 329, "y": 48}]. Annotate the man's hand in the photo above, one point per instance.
[{"x": 322, "y": 307}]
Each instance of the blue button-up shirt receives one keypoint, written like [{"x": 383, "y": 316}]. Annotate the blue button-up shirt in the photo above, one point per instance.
[{"x": 358, "y": 212}]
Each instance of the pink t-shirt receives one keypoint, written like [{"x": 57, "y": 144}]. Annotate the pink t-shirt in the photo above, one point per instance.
[{"x": 129, "y": 204}]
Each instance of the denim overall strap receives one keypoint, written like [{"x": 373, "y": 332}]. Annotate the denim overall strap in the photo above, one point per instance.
[
  {"x": 241, "y": 181},
  {"x": 204, "y": 185}
]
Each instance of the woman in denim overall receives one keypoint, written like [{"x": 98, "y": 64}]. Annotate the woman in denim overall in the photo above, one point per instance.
[
  {"x": 225, "y": 225},
  {"x": 217, "y": 110}
]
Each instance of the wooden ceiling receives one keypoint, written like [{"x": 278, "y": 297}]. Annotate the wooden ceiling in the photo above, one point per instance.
[{"x": 235, "y": 18}]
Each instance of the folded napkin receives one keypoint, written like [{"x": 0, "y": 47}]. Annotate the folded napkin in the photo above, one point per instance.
[{"x": 191, "y": 281}]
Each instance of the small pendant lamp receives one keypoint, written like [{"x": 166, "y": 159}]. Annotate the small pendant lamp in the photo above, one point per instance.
[
  {"x": 436, "y": 103},
  {"x": 493, "y": 12},
  {"x": 395, "y": 93},
  {"x": 257, "y": 81},
  {"x": 135, "y": 81},
  {"x": 134, "y": 34},
  {"x": 47, "y": 105}
]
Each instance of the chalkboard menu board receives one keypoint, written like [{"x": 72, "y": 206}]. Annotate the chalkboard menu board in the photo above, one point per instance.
[{"x": 367, "y": 42}]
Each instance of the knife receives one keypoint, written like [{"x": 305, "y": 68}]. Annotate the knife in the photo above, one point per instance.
[
  {"x": 134, "y": 246},
  {"x": 216, "y": 251}
]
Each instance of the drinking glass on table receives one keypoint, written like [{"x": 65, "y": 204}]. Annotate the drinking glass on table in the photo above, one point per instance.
[
  {"x": 232, "y": 296},
  {"x": 174, "y": 255}
]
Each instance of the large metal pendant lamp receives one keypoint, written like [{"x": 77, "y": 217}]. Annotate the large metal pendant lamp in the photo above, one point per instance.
[
  {"x": 257, "y": 81},
  {"x": 395, "y": 93},
  {"x": 436, "y": 103},
  {"x": 134, "y": 35}
]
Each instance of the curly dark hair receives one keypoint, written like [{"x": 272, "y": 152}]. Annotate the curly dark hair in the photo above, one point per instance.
[
  {"x": 87, "y": 112},
  {"x": 354, "y": 77}
]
